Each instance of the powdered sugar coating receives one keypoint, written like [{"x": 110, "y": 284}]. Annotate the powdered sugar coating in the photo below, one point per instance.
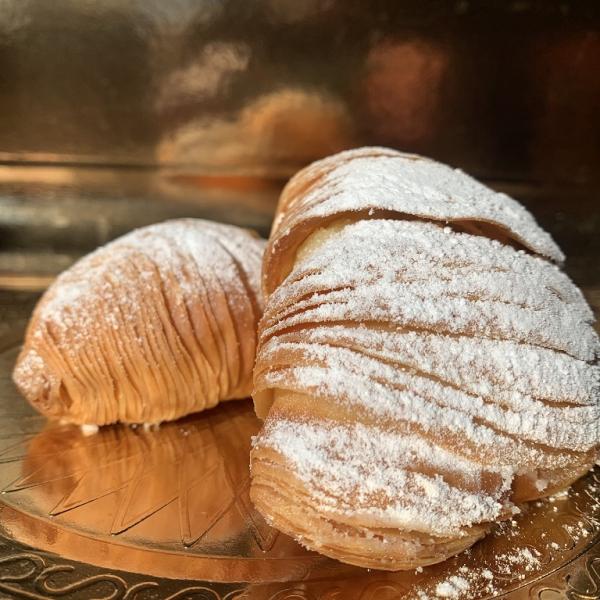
[
  {"x": 380, "y": 179},
  {"x": 515, "y": 375},
  {"x": 336, "y": 461},
  {"x": 469, "y": 345},
  {"x": 164, "y": 248},
  {"x": 409, "y": 273},
  {"x": 399, "y": 394}
]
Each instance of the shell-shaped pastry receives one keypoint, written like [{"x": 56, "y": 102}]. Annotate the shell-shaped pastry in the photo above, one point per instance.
[
  {"x": 419, "y": 379},
  {"x": 153, "y": 326}
]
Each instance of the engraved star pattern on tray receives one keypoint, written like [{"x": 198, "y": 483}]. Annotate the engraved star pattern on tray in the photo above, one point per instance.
[{"x": 194, "y": 469}]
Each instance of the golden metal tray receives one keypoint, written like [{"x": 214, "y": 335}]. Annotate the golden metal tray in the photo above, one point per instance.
[{"x": 134, "y": 514}]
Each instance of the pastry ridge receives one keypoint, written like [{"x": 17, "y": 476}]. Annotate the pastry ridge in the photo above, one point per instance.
[{"x": 156, "y": 324}]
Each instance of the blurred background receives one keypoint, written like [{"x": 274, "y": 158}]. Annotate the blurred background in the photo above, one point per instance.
[{"x": 115, "y": 114}]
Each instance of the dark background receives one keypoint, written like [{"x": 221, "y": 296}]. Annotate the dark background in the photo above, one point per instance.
[
  {"x": 506, "y": 90},
  {"x": 114, "y": 114}
]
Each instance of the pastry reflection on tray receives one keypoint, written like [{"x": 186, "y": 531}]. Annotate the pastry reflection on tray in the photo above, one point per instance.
[
  {"x": 128, "y": 495},
  {"x": 181, "y": 485},
  {"x": 173, "y": 502}
]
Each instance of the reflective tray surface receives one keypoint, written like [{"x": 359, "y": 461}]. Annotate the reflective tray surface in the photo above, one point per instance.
[{"x": 131, "y": 513}]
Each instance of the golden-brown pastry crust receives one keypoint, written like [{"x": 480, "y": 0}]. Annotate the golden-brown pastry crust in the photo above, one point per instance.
[
  {"x": 153, "y": 326},
  {"x": 422, "y": 366}
]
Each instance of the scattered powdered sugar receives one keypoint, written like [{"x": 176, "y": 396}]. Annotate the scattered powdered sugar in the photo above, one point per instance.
[
  {"x": 470, "y": 582},
  {"x": 89, "y": 429},
  {"x": 447, "y": 425},
  {"x": 525, "y": 558},
  {"x": 453, "y": 587}
]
